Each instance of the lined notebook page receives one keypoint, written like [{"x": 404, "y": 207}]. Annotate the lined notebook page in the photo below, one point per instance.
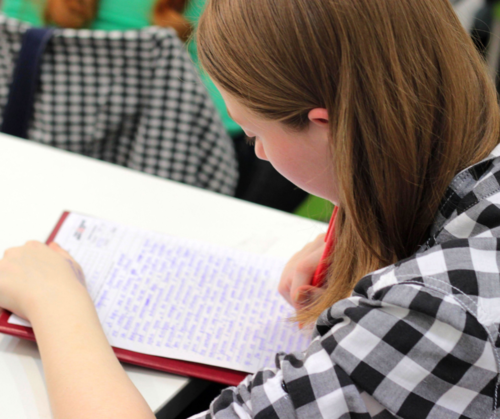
[{"x": 179, "y": 298}]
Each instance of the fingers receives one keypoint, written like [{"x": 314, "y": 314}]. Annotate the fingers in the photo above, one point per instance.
[
  {"x": 36, "y": 273},
  {"x": 36, "y": 245},
  {"x": 284, "y": 287},
  {"x": 76, "y": 268},
  {"x": 303, "y": 276},
  {"x": 58, "y": 249},
  {"x": 299, "y": 272},
  {"x": 15, "y": 252},
  {"x": 10, "y": 252}
]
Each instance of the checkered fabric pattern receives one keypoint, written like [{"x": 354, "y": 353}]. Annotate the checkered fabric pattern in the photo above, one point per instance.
[
  {"x": 418, "y": 339},
  {"x": 132, "y": 98}
]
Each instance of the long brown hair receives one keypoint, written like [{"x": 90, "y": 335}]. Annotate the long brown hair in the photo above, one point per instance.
[
  {"x": 409, "y": 102},
  {"x": 79, "y": 13}
]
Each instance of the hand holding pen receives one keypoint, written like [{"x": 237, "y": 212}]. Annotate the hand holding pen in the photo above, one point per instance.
[{"x": 306, "y": 270}]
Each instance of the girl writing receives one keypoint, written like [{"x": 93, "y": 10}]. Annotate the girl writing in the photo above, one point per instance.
[{"x": 384, "y": 108}]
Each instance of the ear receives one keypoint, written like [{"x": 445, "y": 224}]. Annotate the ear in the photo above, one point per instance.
[{"x": 319, "y": 116}]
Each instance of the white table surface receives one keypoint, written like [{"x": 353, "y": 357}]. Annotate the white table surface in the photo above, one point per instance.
[{"x": 38, "y": 183}]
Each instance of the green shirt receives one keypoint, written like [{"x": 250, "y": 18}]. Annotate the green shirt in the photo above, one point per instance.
[{"x": 124, "y": 15}]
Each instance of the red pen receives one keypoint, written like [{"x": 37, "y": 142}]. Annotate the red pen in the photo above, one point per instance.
[{"x": 320, "y": 273}]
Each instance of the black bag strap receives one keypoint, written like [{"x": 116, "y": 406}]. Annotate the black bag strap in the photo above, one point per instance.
[{"x": 19, "y": 108}]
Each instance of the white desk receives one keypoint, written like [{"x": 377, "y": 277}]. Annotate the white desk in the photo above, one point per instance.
[{"x": 38, "y": 183}]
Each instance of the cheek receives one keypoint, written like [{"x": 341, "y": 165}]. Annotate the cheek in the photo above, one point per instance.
[{"x": 310, "y": 172}]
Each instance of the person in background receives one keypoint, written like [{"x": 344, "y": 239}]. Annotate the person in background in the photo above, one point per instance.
[
  {"x": 104, "y": 14},
  {"x": 258, "y": 181}
]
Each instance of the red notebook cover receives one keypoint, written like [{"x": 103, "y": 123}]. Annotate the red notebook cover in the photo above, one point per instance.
[{"x": 174, "y": 366}]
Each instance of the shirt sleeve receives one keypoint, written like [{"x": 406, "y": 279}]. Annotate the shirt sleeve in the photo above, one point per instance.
[{"x": 409, "y": 352}]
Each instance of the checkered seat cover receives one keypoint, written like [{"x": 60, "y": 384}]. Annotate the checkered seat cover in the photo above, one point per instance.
[{"x": 127, "y": 97}]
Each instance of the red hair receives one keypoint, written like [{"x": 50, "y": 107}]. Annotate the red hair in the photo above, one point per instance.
[{"x": 79, "y": 13}]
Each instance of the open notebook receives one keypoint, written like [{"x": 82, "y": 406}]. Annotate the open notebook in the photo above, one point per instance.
[{"x": 175, "y": 304}]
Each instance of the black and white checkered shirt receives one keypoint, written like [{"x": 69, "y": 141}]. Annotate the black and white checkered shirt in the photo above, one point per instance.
[
  {"x": 127, "y": 97},
  {"x": 418, "y": 339}
]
